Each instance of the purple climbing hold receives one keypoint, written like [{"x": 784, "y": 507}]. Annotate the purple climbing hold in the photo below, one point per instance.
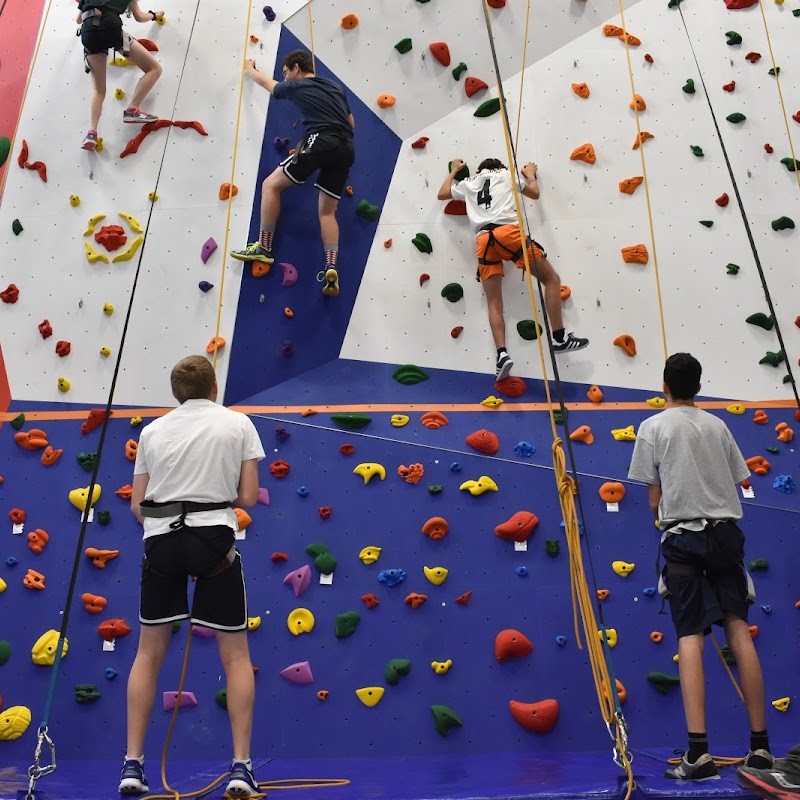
[
  {"x": 263, "y": 496},
  {"x": 170, "y": 700},
  {"x": 299, "y": 579},
  {"x": 203, "y": 632},
  {"x": 287, "y": 348},
  {"x": 205, "y": 286},
  {"x": 281, "y": 434},
  {"x": 298, "y": 673},
  {"x": 280, "y": 143},
  {"x": 289, "y": 274},
  {"x": 269, "y": 13},
  {"x": 208, "y": 249}
]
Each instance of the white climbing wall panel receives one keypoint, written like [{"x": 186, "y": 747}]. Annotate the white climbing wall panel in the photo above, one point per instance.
[{"x": 582, "y": 218}]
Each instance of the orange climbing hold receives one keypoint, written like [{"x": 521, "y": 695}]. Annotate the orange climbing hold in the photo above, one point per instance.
[
  {"x": 630, "y": 185},
  {"x": 441, "y": 52},
  {"x": 288, "y": 313},
  {"x": 50, "y": 456},
  {"x": 511, "y": 643},
  {"x": 656, "y": 636},
  {"x": 581, "y": 89},
  {"x": 412, "y": 473},
  {"x": 434, "y": 420},
  {"x": 387, "y": 244},
  {"x": 622, "y": 693},
  {"x": 100, "y": 557},
  {"x": 566, "y": 293},
  {"x": 463, "y": 599},
  {"x": 33, "y": 580},
  {"x": 474, "y": 85},
  {"x": 386, "y": 100},
  {"x": 37, "y": 540},
  {"x": 349, "y": 21},
  {"x": 484, "y": 442},
  {"x": 760, "y": 417},
  {"x": 635, "y": 254},
  {"x": 436, "y": 528},
  {"x": 322, "y": 694},
  {"x": 627, "y": 343},
  {"x": 93, "y": 603},
  {"x": 511, "y": 386},
  {"x": 582, "y": 434},
  {"x": 602, "y": 594},
  {"x": 538, "y": 717},
  {"x": 638, "y": 103},
  {"x": 415, "y": 600},
  {"x": 753, "y": 629},
  {"x": 785, "y": 433},
  {"x": 612, "y": 492},
  {"x": 632, "y": 40},
  {"x": 243, "y": 519},
  {"x": 226, "y": 191},
  {"x": 217, "y": 343},
  {"x": 259, "y": 269},
  {"x": 584, "y": 153},
  {"x": 456, "y": 332},
  {"x": 125, "y": 492},
  {"x": 758, "y": 464},
  {"x": 34, "y": 439},
  {"x": 641, "y": 139},
  {"x": 595, "y": 394},
  {"x": 612, "y": 30},
  {"x": 131, "y": 449}
]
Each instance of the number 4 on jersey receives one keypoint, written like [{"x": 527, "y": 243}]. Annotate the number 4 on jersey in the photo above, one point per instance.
[{"x": 484, "y": 197}]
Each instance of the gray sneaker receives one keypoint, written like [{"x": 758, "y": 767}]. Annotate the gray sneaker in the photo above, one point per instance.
[
  {"x": 254, "y": 252},
  {"x": 704, "y": 769},
  {"x": 759, "y": 759},
  {"x": 137, "y": 117}
]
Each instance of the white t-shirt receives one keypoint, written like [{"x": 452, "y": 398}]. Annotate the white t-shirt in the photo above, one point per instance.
[
  {"x": 489, "y": 196},
  {"x": 195, "y": 453}
]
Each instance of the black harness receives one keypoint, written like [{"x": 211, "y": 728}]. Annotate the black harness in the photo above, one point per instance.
[{"x": 513, "y": 255}]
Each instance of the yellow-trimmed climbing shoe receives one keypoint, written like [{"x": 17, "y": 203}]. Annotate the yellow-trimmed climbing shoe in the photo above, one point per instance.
[{"x": 330, "y": 282}]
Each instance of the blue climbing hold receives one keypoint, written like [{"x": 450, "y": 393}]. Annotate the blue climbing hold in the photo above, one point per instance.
[
  {"x": 561, "y": 641},
  {"x": 522, "y": 572},
  {"x": 766, "y": 608},
  {"x": 455, "y": 467},
  {"x": 302, "y": 491},
  {"x": 784, "y": 483},
  {"x": 111, "y": 673},
  {"x": 580, "y": 527},
  {"x": 650, "y": 591},
  {"x": 524, "y": 449},
  {"x": 11, "y": 561},
  {"x": 392, "y": 577}
]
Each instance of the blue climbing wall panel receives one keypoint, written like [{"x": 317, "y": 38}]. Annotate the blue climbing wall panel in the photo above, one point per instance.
[{"x": 318, "y": 327}]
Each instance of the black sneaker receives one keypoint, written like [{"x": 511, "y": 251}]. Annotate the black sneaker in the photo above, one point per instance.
[
  {"x": 704, "y": 769},
  {"x": 137, "y": 117},
  {"x": 330, "y": 282},
  {"x": 570, "y": 344},
  {"x": 132, "y": 779},
  {"x": 773, "y": 783},
  {"x": 242, "y": 782},
  {"x": 759, "y": 759},
  {"x": 90, "y": 141},
  {"x": 503, "y": 367},
  {"x": 254, "y": 252}
]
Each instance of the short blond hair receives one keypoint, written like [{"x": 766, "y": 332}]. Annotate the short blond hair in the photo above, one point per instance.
[{"x": 192, "y": 378}]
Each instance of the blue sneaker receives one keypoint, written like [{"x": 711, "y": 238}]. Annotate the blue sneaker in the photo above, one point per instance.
[
  {"x": 132, "y": 779},
  {"x": 242, "y": 782}
]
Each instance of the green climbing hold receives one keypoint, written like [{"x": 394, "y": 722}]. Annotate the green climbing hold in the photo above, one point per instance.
[
  {"x": 796, "y": 12},
  {"x": 423, "y": 243},
  {"x": 5, "y": 149},
  {"x": 445, "y": 718},
  {"x": 409, "y": 374},
  {"x": 708, "y": 223},
  {"x": 459, "y": 71},
  {"x": 462, "y": 174},
  {"x": 552, "y": 547},
  {"x": 674, "y": 3},
  {"x": 323, "y": 558},
  {"x": 733, "y": 269},
  {"x": 662, "y": 682},
  {"x": 774, "y": 71},
  {"x": 688, "y": 87},
  {"x": 316, "y": 549},
  {"x": 762, "y": 320},
  {"x": 221, "y": 698},
  {"x": 529, "y": 329},
  {"x": 5, "y": 651},
  {"x": 86, "y": 693},
  {"x": 487, "y": 108},
  {"x": 435, "y": 488},
  {"x": 773, "y": 359},
  {"x": 560, "y": 414},
  {"x": 351, "y": 422},
  {"x": 176, "y": 627},
  {"x": 16, "y": 226},
  {"x": 733, "y": 38},
  {"x": 86, "y": 461},
  {"x": 395, "y": 669},
  {"x": 346, "y": 624},
  {"x": 698, "y": 151},
  {"x": 404, "y": 45},
  {"x": 727, "y": 655},
  {"x": 787, "y": 379},
  {"x": 104, "y": 517},
  {"x": 758, "y": 565},
  {"x": 774, "y": 450},
  {"x": 736, "y": 118},
  {"x": 791, "y": 164},
  {"x": 453, "y": 292},
  {"x": 18, "y": 422},
  {"x": 783, "y": 224},
  {"x": 368, "y": 211}
]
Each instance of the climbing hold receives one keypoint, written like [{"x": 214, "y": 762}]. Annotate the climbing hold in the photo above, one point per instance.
[
  {"x": 476, "y": 488},
  {"x": 86, "y": 461},
  {"x": 301, "y": 620},
  {"x": 367, "y": 210},
  {"x": 784, "y": 483},
  {"x": 441, "y": 667},
  {"x": 278, "y": 558},
  {"x": 781, "y": 704},
  {"x": 518, "y": 528},
  {"x": 736, "y": 118},
  {"x": 227, "y": 191},
  {"x": 323, "y": 558},
  {"x": 347, "y": 449},
  {"x": 395, "y": 669},
  {"x": 484, "y": 441},
  {"x": 93, "y": 603},
  {"x": 783, "y": 224},
  {"x": 630, "y": 185},
  {"x": 760, "y": 417},
  {"x": 582, "y": 434},
  {"x": 688, "y": 87},
  {"x": 43, "y": 651},
  {"x": 773, "y": 359},
  {"x": 205, "y": 286},
  {"x": 436, "y": 528},
  {"x": 345, "y": 624},
  {"x": 790, "y": 163},
  {"x": 399, "y": 420},
  {"x": 40, "y": 167},
  {"x": 298, "y": 673},
  {"x": 722, "y": 200},
  {"x": 87, "y": 693},
  {"x": 733, "y": 269},
  {"x": 474, "y": 85},
  {"x": 663, "y": 683},
  {"x": 74, "y": 200},
  {"x": 524, "y": 449},
  {"x": 415, "y": 600},
  {"x": 16, "y": 227},
  {"x": 656, "y": 402},
  {"x": 420, "y": 143},
  {"x": 370, "y": 695},
  {"x": 392, "y": 577},
  {"x": 698, "y": 151},
  {"x": 33, "y": 580},
  {"x": 80, "y": 497},
  {"x": 758, "y": 464},
  {"x": 511, "y": 643},
  {"x": 14, "y": 721},
  {"x": 17, "y": 516},
  {"x": 299, "y": 579},
  {"x": 758, "y": 565},
  {"x": 611, "y": 492},
  {"x": 37, "y": 540},
  {"x": 729, "y": 87},
  {"x": 130, "y": 252},
  {"x": 538, "y": 717},
  {"x": 459, "y": 71},
  {"x": 404, "y": 45},
  {"x": 386, "y": 100},
  {"x": 656, "y": 637},
  {"x": 434, "y": 420},
  {"x": 324, "y": 512},
  {"x": 455, "y": 467},
  {"x": 113, "y": 629},
  {"x": 641, "y": 139},
  {"x": 581, "y": 89},
  {"x": 552, "y": 547},
  {"x": 638, "y": 103},
  {"x": 463, "y": 599},
  {"x": 5, "y": 149},
  {"x": 441, "y": 52},
  {"x": 10, "y": 295},
  {"x": 444, "y": 718},
  {"x": 584, "y": 153},
  {"x": 775, "y": 71},
  {"x": 33, "y": 439},
  {"x": 351, "y": 422},
  {"x": 636, "y": 254},
  {"x": 785, "y": 433},
  {"x": 436, "y": 575},
  {"x": 733, "y": 38},
  {"x": 453, "y": 292},
  {"x": 412, "y": 473},
  {"x": 423, "y": 243},
  {"x": 100, "y": 557},
  {"x": 269, "y": 13},
  {"x": 456, "y": 208},
  {"x": 529, "y": 330},
  {"x": 622, "y": 568},
  {"x": 349, "y": 21},
  {"x": 368, "y": 471},
  {"x": 487, "y": 108},
  {"x": 370, "y": 600},
  {"x": 511, "y": 386},
  {"x": 369, "y": 555},
  {"x": 626, "y": 343}
]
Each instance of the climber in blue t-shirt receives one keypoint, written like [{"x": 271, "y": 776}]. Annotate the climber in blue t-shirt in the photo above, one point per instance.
[{"x": 327, "y": 146}]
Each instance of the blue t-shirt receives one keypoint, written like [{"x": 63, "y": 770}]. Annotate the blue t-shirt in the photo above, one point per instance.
[{"x": 322, "y": 103}]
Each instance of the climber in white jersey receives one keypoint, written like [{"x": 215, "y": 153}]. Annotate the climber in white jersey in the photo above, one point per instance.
[{"x": 489, "y": 196}]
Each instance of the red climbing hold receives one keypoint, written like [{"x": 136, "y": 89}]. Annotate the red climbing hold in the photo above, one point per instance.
[
  {"x": 193, "y": 124},
  {"x": 441, "y": 52},
  {"x": 370, "y": 600},
  {"x": 538, "y": 717},
  {"x": 148, "y": 45},
  {"x": 648, "y": 58},
  {"x": 474, "y": 85},
  {"x": 94, "y": 420},
  {"x": 736, "y": 5},
  {"x": 112, "y": 629},
  {"x": 753, "y": 57},
  {"x": 23, "y": 155},
  {"x": 463, "y": 599},
  {"x": 722, "y": 200},
  {"x": 796, "y": 117},
  {"x": 415, "y": 600},
  {"x": 347, "y": 449},
  {"x": 17, "y": 516},
  {"x": 45, "y": 329},
  {"x": 436, "y": 528},
  {"x": 496, "y": 3},
  {"x": 112, "y": 237},
  {"x": 324, "y": 512},
  {"x": 424, "y": 278},
  {"x": 770, "y": 149},
  {"x": 279, "y": 468},
  {"x": 420, "y": 143},
  {"x": 511, "y": 644},
  {"x": 456, "y": 332},
  {"x": 745, "y": 484},
  {"x": 277, "y": 558},
  {"x": 729, "y": 87},
  {"x": 63, "y": 348},
  {"x": 517, "y": 528},
  {"x": 10, "y": 295},
  {"x": 40, "y": 167},
  {"x": 456, "y": 208},
  {"x": 511, "y": 387},
  {"x": 484, "y": 442}
]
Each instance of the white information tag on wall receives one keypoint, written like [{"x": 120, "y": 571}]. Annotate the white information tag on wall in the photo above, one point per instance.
[
  {"x": 521, "y": 547},
  {"x": 90, "y": 515},
  {"x": 17, "y": 529},
  {"x": 240, "y": 536},
  {"x": 612, "y": 507},
  {"x": 748, "y": 494},
  {"x": 109, "y": 647},
  {"x": 325, "y": 580}
]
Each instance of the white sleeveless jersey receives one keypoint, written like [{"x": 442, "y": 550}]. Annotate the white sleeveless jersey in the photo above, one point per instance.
[{"x": 489, "y": 196}]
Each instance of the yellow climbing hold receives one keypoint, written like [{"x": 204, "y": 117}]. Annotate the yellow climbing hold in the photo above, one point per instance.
[
  {"x": 369, "y": 555},
  {"x": 441, "y": 667},
  {"x": 98, "y": 148},
  {"x": 399, "y": 420},
  {"x": 622, "y": 568},
  {"x": 301, "y": 620},
  {"x": 492, "y": 402},
  {"x": 136, "y": 422},
  {"x": 152, "y": 197},
  {"x": 624, "y": 434},
  {"x": 133, "y": 223},
  {"x": 90, "y": 225},
  {"x": 63, "y": 385},
  {"x": 108, "y": 309},
  {"x": 43, "y": 652},
  {"x": 253, "y": 623},
  {"x": 436, "y": 575},
  {"x": 74, "y": 200},
  {"x": 736, "y": 408},
  {"x": 79, "y": 497},
  {"x": 656, "y": 402},
  {"x": 483, "y": 484},
  {"x": 781, "y": 704},
  {"x": 130, "y": 252},
  {"x": 611, "y": 636},
  {"x": 105, "y": 352},
  {"x": 369, "y": 470},
  {"x": 92, "y": 257},
  {"x": 120, "y": 61},
  {"x": 370, "y": 695},
  {"x": 14, "y": 722},
  {"x": 162, "y": 20},
  {"x": 119, "y": 94},
  {"x": 3, "y": 586},
  {"x": 675, "y": 658}
]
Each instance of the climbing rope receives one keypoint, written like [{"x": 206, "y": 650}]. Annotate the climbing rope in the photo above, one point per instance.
[
  {"x": 598, "y": 650},
  {"x": 311, "y": 35}
]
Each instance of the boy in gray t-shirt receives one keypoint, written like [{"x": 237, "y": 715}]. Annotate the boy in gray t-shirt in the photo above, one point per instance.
[{"x": 692, "y": 465}]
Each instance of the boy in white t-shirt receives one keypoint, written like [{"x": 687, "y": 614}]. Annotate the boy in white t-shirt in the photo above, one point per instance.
[
  {"x": 489, "y": 196},
  {"x": 192, "y": 466}
]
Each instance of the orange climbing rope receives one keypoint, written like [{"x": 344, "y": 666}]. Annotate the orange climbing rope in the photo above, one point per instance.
[{"x": 311, "y": 35}]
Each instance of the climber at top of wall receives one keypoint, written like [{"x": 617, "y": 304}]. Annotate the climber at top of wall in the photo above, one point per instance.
[
  {"x": 492, "y": 211},
  {"x": 101, "y": 30},
  {"x": 327, "y": 146}
]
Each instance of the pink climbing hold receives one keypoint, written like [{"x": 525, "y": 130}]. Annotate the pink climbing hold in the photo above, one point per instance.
[
  {"x": 289, "y": 274},
  {"x": 208, "y": 250},
  {"x": 202, "y": 632},
  {"x": 170, "y": 700},
  {"x": 298, "y": 673},
  {"x": 299, "y": 579},
  {"x": 263, "y": 496}
]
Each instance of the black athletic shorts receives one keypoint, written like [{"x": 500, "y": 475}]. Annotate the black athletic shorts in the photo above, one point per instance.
[
  {"x": 105, "y": 36},
  {"x": 331, "y": 154},
  {"x": 720, "y": 585},
  {"x": 170, "y": 559}
]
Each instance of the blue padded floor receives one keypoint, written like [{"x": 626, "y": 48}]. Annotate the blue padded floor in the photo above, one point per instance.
[{"x": 564, "y": 776}]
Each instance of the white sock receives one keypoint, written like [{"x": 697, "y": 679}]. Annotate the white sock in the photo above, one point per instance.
[
  {"x": 248, "y": 763},
  {"x": 140, "y": 759}
]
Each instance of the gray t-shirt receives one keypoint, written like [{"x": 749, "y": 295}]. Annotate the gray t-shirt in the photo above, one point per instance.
[{"x": 692, "y": 455}]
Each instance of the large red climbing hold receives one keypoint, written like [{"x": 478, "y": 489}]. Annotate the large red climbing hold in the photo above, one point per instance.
[
  {"x": 511, "y": 644},
  {"x": 517, "y": 528},
  {"x": 23, "y": 155},
  {"x": 736, "y": 5},
  {"x": 456, "y": 208},
  {"x": 441, "y": 52},
  {"x": 474, "y": 85},
  {"x": 11, "y": 294},
  {"x": 112, "y": 237},
  {"x": 40, "y": 167},
  {"x": 511, "y": 386},
  {"x": 496, "y": 3},
  {"x": 113, "y": 629},
  {"x": 538, "y": 717},
  {"x": 484, "y": 442},
  {"x": 722, "y": 200},
  {"x": 279, "y": 468},
  {"x": 94, "y": 420},
  {"x": 752, "y": 56}
]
